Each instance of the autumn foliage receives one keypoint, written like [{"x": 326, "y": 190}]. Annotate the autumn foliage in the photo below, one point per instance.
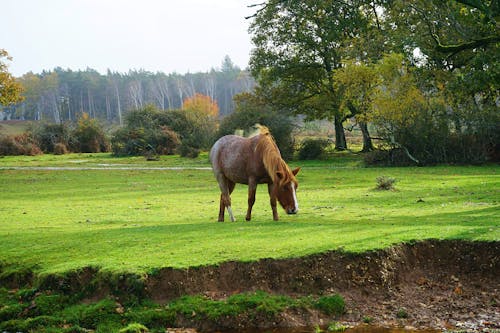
[{"x": 202, "y": 105}]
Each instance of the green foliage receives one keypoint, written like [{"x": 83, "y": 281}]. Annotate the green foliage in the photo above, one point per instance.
[
  {"x": 144, "y": 134},
  {"x": 49, "y": 135},
  {"x": 331, "y": 305},
  {"x": 89, "y": 136},
  {"x": 134, "y": 328},
  {"x": 420, "y": 123},
  {"x": 251, "y": 110},
  {"x": 152, "y": 131},
  {"x": 402, "y": 313},
  {"x": 312, "y": 149}
]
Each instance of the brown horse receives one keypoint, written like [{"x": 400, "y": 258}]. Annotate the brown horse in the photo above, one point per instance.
[{"x": 252, "y": 161}]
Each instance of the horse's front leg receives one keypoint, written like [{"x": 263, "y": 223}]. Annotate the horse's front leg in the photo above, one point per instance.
[
  {"x": 252, "y": 188},
  {"x": 272, "y": 196}
]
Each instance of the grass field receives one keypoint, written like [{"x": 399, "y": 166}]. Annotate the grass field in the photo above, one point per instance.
[{"x": 132, "y": 219}]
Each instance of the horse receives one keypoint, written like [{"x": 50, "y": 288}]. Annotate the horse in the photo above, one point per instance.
[{"x": 251, "y": 161}]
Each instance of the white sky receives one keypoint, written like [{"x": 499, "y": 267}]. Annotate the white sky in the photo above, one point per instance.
[{"x": 156, "y": 35}]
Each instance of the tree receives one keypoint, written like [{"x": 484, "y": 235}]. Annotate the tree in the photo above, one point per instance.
[
  {"x": 201, "y": 105},
  {"x": 356, "y": 83},
  {"x": 298, "y": 46},
  {"x": 457, "y": 44},
  {"x": 10, "y": 89}
]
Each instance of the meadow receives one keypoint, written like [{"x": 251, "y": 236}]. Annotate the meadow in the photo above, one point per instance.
[{"x": 62, "y": 213}]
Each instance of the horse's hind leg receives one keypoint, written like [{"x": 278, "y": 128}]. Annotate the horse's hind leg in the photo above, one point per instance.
[
  {"x": 230, "y": 186},
  {"x": 226, "y": 187}
]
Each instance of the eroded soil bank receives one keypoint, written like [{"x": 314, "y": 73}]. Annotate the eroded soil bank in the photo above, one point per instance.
[{"x": 428, "y": 284}]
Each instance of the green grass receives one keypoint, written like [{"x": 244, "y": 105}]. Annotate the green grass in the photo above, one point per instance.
[
  {"x": 54, "y": 221},
  {"x": 31, "y": 310}
]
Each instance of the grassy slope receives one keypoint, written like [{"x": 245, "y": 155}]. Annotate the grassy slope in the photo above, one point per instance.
[
  {"x": 139, "y": 220},
  {"x": 13, "y": 127}
]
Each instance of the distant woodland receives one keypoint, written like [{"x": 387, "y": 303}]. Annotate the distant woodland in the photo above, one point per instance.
[{"x": 62, "y": 95}]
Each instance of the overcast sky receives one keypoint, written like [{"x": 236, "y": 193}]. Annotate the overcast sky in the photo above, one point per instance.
[{"x": 155, "y": 35}]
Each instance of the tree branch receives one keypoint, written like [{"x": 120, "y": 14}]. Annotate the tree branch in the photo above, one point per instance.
[{"x": 465, "y": 46}]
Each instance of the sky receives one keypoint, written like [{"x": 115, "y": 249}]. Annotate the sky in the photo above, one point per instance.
[{"x": 121, "y": 35}]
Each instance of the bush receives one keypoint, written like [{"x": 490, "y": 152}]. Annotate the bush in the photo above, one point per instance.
[
  {"x": 150, "y": 131},
  {"x": 312, "y": 149},
  {"x": 60, "y": 149},
  {"x": 186, "y": 150},
  {"x": 22, "y": 144},
  {"x": 48, "y": 135},
  {"x": 385, "y": 183},
  {"x": 392, "y": 157},
  {"x": 89, "y": 136}
]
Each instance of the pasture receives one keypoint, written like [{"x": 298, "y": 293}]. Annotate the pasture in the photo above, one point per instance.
[{"x": 129, "y": 215}]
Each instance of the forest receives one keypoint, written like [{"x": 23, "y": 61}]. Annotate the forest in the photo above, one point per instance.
[{"x": 62, "y": 95}]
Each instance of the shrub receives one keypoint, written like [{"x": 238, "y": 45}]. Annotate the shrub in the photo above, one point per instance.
[
  {"x": 151, "y": 131},
  {"x": 89, "y": 136},
  {"x": 186, "y": 150},
  {"x": 312, "y": 149},
  {"x": 385, "y": 183},
  {"x": 60, "y": 149},
  {"x": 392, "y": 157},
  {"x": 22, "y": 144},
  {"x": 48, "y": 135},
  {"x": 166, "y": 141}
]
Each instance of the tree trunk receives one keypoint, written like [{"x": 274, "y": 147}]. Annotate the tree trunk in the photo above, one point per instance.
[
  {"x": 340, "y": 142},
  {"x": 367, "y": 140}
]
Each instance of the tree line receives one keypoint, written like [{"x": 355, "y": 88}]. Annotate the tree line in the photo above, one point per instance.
[{"x": 62, "y": 95}]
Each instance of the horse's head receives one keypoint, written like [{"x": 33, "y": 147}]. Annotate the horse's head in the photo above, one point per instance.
[{"x": 286, "y": 192}]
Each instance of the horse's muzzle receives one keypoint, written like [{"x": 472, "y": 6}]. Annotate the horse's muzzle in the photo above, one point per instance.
[{"x": 292, "y": 211}]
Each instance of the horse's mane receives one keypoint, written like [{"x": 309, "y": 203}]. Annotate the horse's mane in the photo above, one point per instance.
[{"x": 271, "y": 157}]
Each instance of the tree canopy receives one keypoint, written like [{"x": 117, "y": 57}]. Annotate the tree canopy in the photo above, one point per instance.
[{"x": 10, "y": 89}]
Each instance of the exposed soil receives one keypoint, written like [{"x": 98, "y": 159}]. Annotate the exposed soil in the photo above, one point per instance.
[{"x": 429, "y": 284}]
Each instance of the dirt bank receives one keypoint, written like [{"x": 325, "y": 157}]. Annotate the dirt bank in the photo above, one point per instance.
[
  {"x": 430, "y": 284},
  {"x": 437, "y": 284}
]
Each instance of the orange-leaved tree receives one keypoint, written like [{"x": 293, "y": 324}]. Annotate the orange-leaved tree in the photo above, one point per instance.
[{"x": 201, "y": 105}]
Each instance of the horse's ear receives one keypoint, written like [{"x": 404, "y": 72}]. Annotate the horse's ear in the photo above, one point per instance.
[{"x": 296, "y": 171}]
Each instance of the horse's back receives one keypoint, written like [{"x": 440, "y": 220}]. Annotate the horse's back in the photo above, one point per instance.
[{"x": 230, "y": 155}]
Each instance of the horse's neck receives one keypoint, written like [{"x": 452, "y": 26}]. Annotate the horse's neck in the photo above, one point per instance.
[{"x": 271, "y": 157}]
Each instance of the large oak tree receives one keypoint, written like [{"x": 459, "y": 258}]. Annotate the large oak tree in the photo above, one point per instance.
[{"x": 298, "y": 46}]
